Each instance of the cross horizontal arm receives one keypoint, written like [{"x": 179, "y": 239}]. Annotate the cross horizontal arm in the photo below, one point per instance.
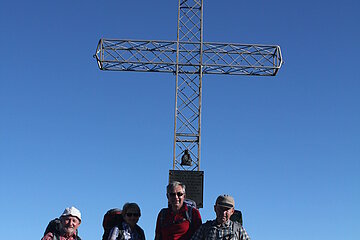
[
  {"x": 160, "y": 56},
  {"x": 136, "y": 55},
  {"x": 241, "y": 59}
]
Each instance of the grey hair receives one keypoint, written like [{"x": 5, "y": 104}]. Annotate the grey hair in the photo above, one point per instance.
[
  {"x": 128, "y": 206},
  {"x": 174, "y": 184}
]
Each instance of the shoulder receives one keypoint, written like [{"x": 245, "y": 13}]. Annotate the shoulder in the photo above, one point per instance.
[
  {"x": 195, "y": 210},
  {"x": 48, "y": 236},
  {"x": 208, "y": 224},
  {"x": 164, "y": 211},
  {"x": 140, "y": 231},
  {"x": 196, "y": 213}
]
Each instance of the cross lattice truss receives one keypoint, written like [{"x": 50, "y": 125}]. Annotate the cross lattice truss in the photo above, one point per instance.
[
  {"x": 188, "y": 58},
  {"x": 160, "y": 56}
]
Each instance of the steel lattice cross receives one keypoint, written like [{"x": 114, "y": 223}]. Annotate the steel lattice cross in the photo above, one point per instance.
[{"x": 188, "y": 58}]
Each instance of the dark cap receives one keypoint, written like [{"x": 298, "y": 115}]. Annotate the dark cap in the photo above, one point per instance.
[{"x": 225, "y": 201}]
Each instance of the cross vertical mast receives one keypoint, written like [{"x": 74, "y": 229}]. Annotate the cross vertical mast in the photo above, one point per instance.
[{"x": 187, "y": 135}]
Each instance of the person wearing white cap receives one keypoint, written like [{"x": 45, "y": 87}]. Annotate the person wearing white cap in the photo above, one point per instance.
[
  {"x": 222, "y": 227},
  {"x": 66, "y": 226}
]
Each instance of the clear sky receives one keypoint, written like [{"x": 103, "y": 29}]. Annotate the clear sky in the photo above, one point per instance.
[{"x": 286, "y": 147}]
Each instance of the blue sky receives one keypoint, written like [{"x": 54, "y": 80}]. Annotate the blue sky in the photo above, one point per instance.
[{"x": 286, "y": 147}]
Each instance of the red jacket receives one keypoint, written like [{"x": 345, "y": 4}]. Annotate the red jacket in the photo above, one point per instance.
[{"x": 173, "y": 226}]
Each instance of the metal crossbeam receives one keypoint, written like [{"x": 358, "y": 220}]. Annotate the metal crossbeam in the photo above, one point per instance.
[
  {"x": 188, "y": 58},
  {"x": 160, "y": 56}
]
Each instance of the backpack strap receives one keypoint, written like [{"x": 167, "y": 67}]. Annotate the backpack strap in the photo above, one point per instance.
[
  {"x": 188, "y": 214},
  {"x": 164, "y": 211}
]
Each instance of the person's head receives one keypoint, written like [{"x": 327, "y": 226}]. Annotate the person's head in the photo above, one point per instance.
[
  {"x": 131, "y": 213},
  {"x": 224, "y": 208},
  {"x": 70, "y": 220},
  {"x": 175, "y": 193}
]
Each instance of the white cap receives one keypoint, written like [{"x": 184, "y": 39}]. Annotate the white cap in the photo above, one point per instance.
[{"x": 72, "y": 211}]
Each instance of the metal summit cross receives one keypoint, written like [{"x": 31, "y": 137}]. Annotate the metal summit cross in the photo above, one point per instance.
[{"x": 189, "y": 58}]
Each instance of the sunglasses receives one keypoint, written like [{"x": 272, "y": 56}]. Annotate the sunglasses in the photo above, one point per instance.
[
  {"x": 133, "y": 214},
  {"x": 179, "y": 194}
]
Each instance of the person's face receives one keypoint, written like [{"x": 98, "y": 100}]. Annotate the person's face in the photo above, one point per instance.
[
  {"x": 132, "y": 217},
  {"x": 176, "y": 198},
  {"x": 69, "y": 224},
  {"x": 223, "y": 214}
]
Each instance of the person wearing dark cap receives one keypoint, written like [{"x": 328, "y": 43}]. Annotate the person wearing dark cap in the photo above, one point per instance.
[
  {"x": 64, "y": 228},
  {"x": 222, "y": 227}
]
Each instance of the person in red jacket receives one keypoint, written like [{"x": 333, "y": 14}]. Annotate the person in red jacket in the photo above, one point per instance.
[{"x": 179, "y": 221}]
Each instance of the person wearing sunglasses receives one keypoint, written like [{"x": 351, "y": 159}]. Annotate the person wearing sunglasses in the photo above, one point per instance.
[
  {"x": 128, "y": 229},
  {"x": 222, "y": 228},
  {"x": 178, "y": 221}
]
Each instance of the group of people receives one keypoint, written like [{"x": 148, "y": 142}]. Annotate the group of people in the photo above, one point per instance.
[{"x": 179, "y": 221}]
